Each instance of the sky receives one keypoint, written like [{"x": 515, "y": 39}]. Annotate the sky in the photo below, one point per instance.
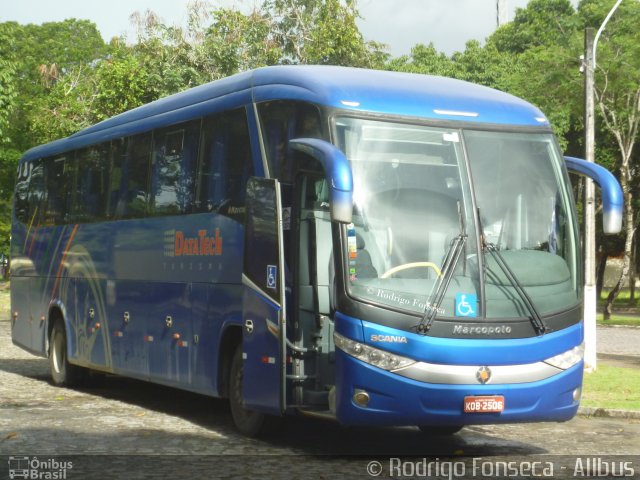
[{"x": 400, "y": 24}]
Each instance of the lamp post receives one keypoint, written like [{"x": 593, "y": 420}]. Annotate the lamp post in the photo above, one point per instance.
[{"x": 590, "y": 301}]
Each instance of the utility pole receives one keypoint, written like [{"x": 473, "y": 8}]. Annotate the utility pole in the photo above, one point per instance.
[
  {"x": 590, "y": 301},
  {"x": 590, "y": 304}
]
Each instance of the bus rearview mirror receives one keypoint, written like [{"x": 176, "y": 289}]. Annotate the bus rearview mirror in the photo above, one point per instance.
[
  {"x": 612, "y": 200},
  {"x": 337, "y": 172}
]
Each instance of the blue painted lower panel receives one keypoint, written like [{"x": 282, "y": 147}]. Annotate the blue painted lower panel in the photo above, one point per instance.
[{"x": 396, "y": 400}]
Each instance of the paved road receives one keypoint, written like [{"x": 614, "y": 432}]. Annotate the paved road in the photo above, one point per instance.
[
  {"x": 119, "y": 416},
  {"x": 618, "y": 341}
]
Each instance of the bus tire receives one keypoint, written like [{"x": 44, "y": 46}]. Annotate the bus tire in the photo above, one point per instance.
[
  {"x": 63, "y": 374},
  {"x": 248, "y": 422},
  {"x": 440, "y": 431}
]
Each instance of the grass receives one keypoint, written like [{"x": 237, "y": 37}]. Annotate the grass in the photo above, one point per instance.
[
  {"x": 612, "y": 387},
  {"x": 625, "y": 321},
  {"x": 623, "y": 299},
  {"x": 621, "y": 303}
]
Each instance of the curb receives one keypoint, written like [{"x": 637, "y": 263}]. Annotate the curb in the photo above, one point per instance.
[
  {"x": 631, "y": 327},
  {"x": 608, "y": 413}
]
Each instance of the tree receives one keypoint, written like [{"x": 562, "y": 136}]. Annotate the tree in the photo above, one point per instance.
[
  {"x": 121, "y": 83},
  {"x": 43, "y": 55},
  {"x": 541, "y": 23},
  {"x": 618, "y": 101},
  {"x": 8, "y": 155},
  {"x": 237, "y": 42},
  {"x": 7, "y": 81},
  {"x": 291, "y": 32},
  {"x": 424, "y": 59}
]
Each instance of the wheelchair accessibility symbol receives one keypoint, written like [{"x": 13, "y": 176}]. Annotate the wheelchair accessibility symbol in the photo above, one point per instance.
[
  {"x": 272, "y": 273},
  {"x": 466, "y": 305}
]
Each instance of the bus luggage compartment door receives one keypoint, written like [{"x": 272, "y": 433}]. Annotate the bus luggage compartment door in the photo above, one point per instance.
[{"x": 263, "y": 312}]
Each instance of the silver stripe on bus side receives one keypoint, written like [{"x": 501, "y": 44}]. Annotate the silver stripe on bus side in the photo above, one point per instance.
[
  {"x": 466, "y": 374},
  {"x": 247, "y": 282}
]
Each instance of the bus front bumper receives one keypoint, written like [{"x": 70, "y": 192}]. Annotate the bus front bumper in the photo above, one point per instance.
[{"x": 396, "y": 400}]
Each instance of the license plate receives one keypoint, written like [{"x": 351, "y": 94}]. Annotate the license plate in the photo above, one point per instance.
[{"x": 484, "y": 404}]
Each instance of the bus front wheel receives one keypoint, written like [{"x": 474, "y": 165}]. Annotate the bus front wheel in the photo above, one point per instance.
[
  {"x": 63, "y": 374},
  {"x": 248, "y": 422}
]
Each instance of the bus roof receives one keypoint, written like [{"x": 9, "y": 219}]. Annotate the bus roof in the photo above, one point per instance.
[{"x": 383, "y": 92}]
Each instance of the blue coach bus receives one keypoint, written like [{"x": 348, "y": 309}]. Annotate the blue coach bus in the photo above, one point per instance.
[{"x": 375, "y": 247}]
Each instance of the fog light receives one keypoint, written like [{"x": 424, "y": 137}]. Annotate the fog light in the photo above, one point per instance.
[
  {"x": 361, "y": 398},
  {"x": 577, "y": 393}
]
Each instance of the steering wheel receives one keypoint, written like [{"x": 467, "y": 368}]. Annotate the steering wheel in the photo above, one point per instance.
[{"x": 406, "y": 266}]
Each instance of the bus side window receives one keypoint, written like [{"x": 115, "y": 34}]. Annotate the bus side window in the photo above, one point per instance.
[
  {"x": 173, "y": 168},
  {"x": 21, "y": 195},
  {"x": 118, "y": 180},
  {"x": 59, "y": 180},
  {"x": 281, "y": 121},
  {"x": 138, "y": 160},
  {"x": 92, "y": 184},
  {"x": 36, "y": 193},
  {"x": 225, "y": 163}
]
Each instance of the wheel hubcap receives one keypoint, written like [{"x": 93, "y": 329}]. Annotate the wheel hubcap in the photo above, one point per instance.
[{"x": 57, "y": 352}]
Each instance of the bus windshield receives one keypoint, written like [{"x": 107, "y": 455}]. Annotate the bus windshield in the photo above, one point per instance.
[{"x": 458, "y": 223}]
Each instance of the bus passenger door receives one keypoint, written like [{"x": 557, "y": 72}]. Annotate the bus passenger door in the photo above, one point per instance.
[{"x": 263, "y": 315}]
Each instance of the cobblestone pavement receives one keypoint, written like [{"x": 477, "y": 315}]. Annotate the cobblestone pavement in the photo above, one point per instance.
[{"x": 119, "y": 416}]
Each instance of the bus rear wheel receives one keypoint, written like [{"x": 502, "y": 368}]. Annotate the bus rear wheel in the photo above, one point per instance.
[
  {"x": 248, "y": 422},
  {"x": 440, "y": 431},
  {"x": 63, "y": 374}
]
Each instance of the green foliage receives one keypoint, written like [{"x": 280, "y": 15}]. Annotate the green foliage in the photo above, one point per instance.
[
  {"x": 424, "y": 59},
  {"x": 8, "y": 166},
  {"x": 486, "y": 66},
  {"x": 121, "y": 83},
  {"x": 64, "y": 44},
  {"x": 7, "y": 80},
  {"x": 237, "y": 42},
  {"x": 169, "y": 58},
  {"x": 335, "y": 39},
  {"x": 5, "y": 227},
  {"x": 44, "y": 55},
  {"x": 317, "y": 31},
  {"x": 541, "y": 23},
  {"x": 290, "y": 32}
]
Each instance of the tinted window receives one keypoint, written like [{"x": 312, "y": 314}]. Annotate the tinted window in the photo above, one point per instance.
[
  {"x": 59, "y": 186},
  {"x": 92, "y": 184},
  {"x": 262, "y": 254},
  {"x": 117, "y": 187},
  {"x": 21, "y": 196},
  {"x": 225, "y": 164},
  {"x": 282, "y": 121},
  {"x": 173, "y": 169},
  {"x": 36, "y": 198},
  {"x": 138, "y": 159}
]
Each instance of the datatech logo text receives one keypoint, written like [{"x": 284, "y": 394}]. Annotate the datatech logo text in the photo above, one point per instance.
[{"x": 204, "y": 244}]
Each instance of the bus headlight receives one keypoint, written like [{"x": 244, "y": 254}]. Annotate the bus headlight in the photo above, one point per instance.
[
  {"x": 373, "y": 356},
  {"x": 567, "y": 359}
]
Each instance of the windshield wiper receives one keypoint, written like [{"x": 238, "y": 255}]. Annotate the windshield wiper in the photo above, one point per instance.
[
  {"x": 536, "y": 318},
  {"x": 443, "y": 281}
]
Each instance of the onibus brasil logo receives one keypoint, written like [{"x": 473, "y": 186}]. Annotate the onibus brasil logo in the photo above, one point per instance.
[{"x": 41, "y": 469}]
